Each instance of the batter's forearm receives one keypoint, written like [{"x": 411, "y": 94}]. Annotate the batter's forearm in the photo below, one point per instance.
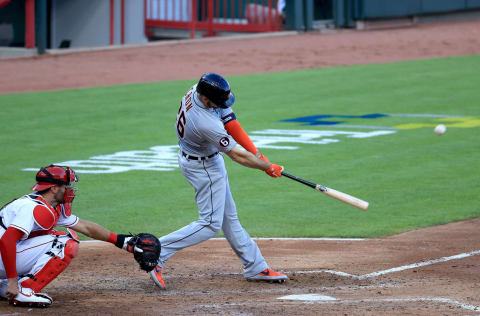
[
  {"x": 248, "y": 159},
  {"x": 253, "y": 162}
]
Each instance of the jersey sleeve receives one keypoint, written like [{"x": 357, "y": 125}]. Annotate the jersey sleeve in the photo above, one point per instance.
[
  {"x": 66, "y": 219},
  {"x": 218, "y": 136},
  {"x": 8, "y": 247},
  {"x": 24, "y": 219},
  {"x": 227, "y": 115}
]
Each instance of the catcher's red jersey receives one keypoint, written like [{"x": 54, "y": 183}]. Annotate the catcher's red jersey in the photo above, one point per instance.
[{"x": 32, "y": 215}]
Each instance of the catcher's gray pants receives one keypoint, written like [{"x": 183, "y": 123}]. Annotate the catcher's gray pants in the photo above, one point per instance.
[{"x": 216, "y": 211}]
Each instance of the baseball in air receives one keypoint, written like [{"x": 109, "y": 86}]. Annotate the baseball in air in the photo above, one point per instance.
[{"x": 440, "y": 129}]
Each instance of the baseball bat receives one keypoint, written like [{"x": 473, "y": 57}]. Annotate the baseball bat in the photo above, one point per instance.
[{"x": 342, "y": 197}]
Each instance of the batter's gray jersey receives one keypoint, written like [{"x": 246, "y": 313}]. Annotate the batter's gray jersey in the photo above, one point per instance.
[{"x": 200, "y": 130}]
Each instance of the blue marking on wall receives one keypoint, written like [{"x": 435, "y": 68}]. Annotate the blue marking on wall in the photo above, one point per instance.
[{"x": 321, "y": 119}]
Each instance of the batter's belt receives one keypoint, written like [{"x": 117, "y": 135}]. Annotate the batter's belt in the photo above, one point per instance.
[{"x": 198, "y": 158}]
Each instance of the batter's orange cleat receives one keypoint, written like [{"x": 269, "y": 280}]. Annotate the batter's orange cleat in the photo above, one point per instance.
[
  {"x": 156, "y": 276},
  {"x": 269, "y": 275}
]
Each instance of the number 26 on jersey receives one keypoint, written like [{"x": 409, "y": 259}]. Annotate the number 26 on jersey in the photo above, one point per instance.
[{"x": 181, "y": 120}]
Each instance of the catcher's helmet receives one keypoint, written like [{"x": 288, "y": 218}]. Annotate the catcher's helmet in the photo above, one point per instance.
[
  {"x": 217, "y": 89},
  {"x": 54, "y": 175}
]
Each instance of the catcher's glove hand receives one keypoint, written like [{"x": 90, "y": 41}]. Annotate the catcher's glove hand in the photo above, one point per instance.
[{"x": 146, "y": 250}]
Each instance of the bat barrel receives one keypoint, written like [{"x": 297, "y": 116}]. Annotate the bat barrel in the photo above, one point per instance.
[
  {"x": 342, "y": 197},
  {"x": 345, "y": 198}
]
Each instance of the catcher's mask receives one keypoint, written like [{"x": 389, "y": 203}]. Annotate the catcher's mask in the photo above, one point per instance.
[{"x": 53, "y": 175}]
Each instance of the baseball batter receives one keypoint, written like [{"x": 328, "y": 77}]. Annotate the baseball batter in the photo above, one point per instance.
[
  {"x": 32, "y": 252},
  {"x": 206, "y": 126}
]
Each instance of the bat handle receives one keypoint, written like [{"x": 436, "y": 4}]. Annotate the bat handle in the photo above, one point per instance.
[
  {"x": 291, "y": 176},
  {"x": 315, "y": 186}
]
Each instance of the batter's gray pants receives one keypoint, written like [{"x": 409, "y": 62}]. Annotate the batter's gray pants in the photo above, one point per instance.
[{"x": 216, "y": 211}]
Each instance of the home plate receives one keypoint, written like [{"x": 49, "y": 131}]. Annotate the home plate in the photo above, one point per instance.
[{"x": 308, "y": 297}]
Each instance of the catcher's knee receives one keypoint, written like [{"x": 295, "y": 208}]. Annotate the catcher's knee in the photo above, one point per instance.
[
  {"x": 53, "y": 267},
  {"x": 70, "y": 251}
]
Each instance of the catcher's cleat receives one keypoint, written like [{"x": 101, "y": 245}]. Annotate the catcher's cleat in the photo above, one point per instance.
[
  {"x": 156, "y": 276},
  {"x": 28, "y": 298},
  {"x": 268, "y": 275}
]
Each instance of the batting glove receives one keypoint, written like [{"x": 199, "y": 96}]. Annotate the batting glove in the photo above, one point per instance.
[{"x": 274, "y": 171}]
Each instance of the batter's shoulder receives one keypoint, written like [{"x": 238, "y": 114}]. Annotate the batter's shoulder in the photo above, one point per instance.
[{"x": 208, "y": 125}]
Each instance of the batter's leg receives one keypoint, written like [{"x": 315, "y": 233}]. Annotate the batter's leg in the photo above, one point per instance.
[
  {"x": 238, "y": 238},
  {"x": 207, "y": 179}
]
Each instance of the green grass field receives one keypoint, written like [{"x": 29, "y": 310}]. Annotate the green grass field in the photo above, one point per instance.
[{"x": 412, "y": 178}]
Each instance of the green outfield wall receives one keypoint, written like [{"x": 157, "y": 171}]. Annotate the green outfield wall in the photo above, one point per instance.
[
  {"x": 371, "y": 9},
  {"x": 346, "y": 12}
]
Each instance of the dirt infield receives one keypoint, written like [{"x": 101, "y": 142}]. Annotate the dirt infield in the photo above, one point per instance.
[
  {"x": 398, "y": 275},
  {"x": 187, "y": 61},
  {"x": 104, "y": 280}
]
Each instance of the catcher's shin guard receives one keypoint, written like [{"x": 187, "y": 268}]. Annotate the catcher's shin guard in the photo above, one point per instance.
[{"x": 54, "y": 266}]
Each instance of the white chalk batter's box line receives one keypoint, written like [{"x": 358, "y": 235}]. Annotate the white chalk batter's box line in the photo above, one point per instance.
[
  {"x": 397, "y": 269},
  {"x": 278, "y": 290},
  {"x": 323, "y": 299}
]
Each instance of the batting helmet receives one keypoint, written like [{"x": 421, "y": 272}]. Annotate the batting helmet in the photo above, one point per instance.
[
  {"x": 217, "y": 89},
  {"x": 54, "y": 175}
]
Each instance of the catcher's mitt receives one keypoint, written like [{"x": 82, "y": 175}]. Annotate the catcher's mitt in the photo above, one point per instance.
[{"x": 146, "y": 250}]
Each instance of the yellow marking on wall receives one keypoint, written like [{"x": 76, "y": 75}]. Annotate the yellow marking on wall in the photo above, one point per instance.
[
  {"x": 466, "y": 122},
  {"x": 413, "y": 125},
  {"x": 463, "y": 122}
]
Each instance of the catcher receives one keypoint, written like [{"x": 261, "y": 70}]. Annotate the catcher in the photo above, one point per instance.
[{"x": 33, "y": 253}]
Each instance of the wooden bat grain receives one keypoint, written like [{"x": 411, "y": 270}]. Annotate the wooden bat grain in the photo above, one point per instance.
[{"x": 342, "y": 197}]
